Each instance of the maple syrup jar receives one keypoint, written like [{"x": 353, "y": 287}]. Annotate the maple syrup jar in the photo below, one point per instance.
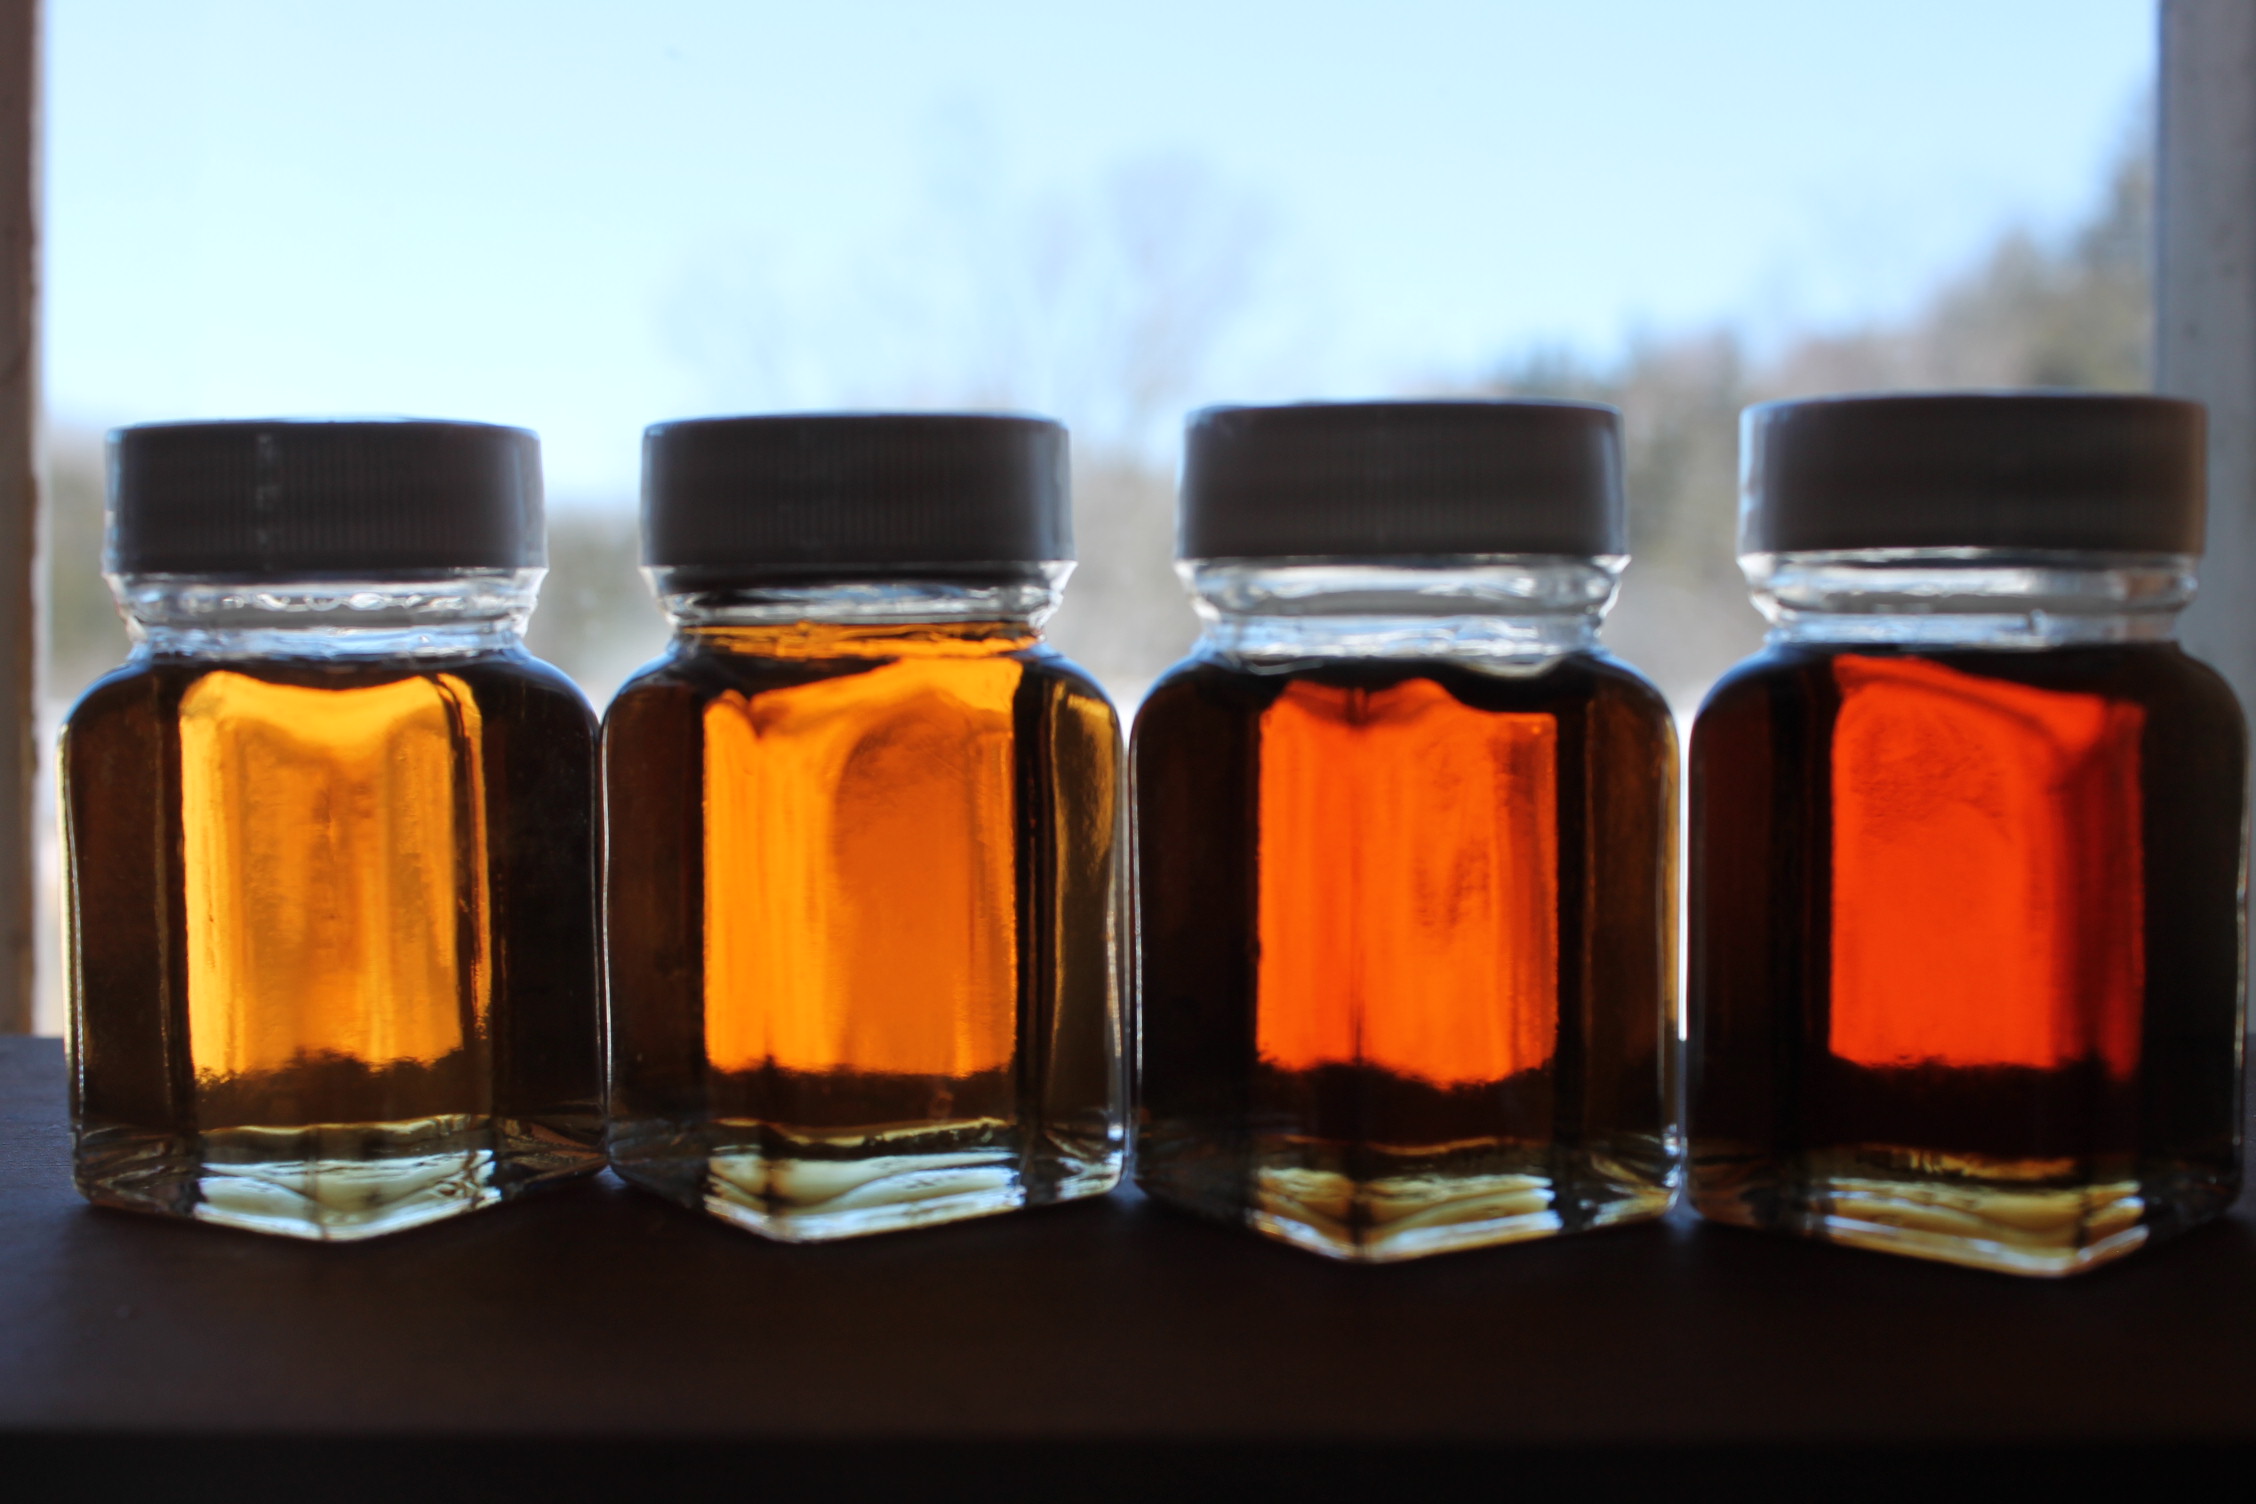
[
  {"x": 1967, "y": 840},
  {"x": 1405, "y": 839},
  {"x": 328, "y": 837},
  {"x": 864, "y": 832}
]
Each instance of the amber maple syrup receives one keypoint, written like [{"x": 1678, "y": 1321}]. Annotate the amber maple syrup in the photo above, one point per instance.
[
  {"x": 1382, "y": 1011},
  {"x": 1966, "y": 948},
  {"x": 374, "y": 970},
  {"x": 860, "y": 924},
  {"x": 864, "y": 837}
]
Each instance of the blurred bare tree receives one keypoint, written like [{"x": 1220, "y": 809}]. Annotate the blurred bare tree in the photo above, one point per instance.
[{"x": 1106, "y": 306}]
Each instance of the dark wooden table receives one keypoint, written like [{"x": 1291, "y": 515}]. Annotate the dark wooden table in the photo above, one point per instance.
[{"x": 599, "y": 1343}]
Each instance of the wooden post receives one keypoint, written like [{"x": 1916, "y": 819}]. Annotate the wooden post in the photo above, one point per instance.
[
  {"x": 19, "y": 495},
  {"x": 2205, "y": 292}
]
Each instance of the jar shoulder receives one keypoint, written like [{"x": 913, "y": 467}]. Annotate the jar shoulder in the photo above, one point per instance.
[
  {"x": 2178, "y": 695},
  {"x": 501, "y": 683},
  {"x": 1553, "y": 682},
  {"x": 691, "y": 674}
]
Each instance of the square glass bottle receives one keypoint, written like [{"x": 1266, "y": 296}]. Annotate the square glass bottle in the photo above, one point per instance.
[
  {"x": 328, "y": 837},
  {"x": 864, "y": 835},
  {"x": 1967, "y": 840},
  {"x": 1405, "y": 840}
]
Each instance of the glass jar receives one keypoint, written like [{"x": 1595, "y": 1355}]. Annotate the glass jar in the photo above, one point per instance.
[
  {"x": 328, "y": 837},
  {"x": 1405, "y": 840},
  {"x": 1967, "y": 840},
  {"x": 864, "y": 835}
]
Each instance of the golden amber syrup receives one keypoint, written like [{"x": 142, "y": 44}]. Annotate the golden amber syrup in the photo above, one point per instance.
[
  {"x": 1966, "y": 950},
  {"x": 862, "y": 899},
  {"x": 332, "y": 940},
  {"x": 1406, "y": 951}
]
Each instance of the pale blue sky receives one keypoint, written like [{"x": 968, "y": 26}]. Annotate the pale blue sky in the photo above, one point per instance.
[{"x": 588, "y": 217}]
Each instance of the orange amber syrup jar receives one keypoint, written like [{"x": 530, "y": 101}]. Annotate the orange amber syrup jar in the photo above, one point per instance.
[
  {"x": 328, "y": 837},
  {"x": 864, "y": 835},
  {"x": 1967, "y": 841},
  {"x": 1405, "y": 840}
]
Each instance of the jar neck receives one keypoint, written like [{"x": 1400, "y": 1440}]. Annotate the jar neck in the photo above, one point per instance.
[
  {"x": 1503, "y": 610},
  {"x": 449, "y": 615},
  {"x": 1971, "y": 597},
  {"x": 882, "y": 610}
]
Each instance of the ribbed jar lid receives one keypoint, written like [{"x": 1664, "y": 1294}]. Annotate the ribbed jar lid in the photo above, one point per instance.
[
  {"x": 832, "y": 494},
  {"x": 1390, "y": 480},
  {"x": 284, "y": 498},
  {"x": 2006, "y": 470}
]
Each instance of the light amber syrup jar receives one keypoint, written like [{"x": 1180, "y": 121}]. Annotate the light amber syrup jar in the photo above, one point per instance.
[
  {"x": 1405, "y": 839},
  {"x": 865, "y": 834},
  {"x": 328, "y": 837},
  {"x": 1967, "y": 840}
]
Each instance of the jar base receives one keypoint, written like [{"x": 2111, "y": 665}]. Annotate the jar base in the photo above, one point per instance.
[
  {"x": 328, "y": 1182},
  {"x": 2019, "y": 1217},
  {"x": 800, "y": 1187},
  {"x": 1427, "y": 1206}
]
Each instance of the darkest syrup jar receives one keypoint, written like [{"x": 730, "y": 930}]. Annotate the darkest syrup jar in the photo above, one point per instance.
[{"x": 1967, "y": 840}]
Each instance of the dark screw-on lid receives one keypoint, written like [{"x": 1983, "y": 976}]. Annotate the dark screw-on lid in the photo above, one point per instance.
[
  {"x": 288, "y": 498},
  {"x": 815, "y": 495},
  {"x": 2012, "y": 470},
  {"x": 1377, "y": 480}
]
